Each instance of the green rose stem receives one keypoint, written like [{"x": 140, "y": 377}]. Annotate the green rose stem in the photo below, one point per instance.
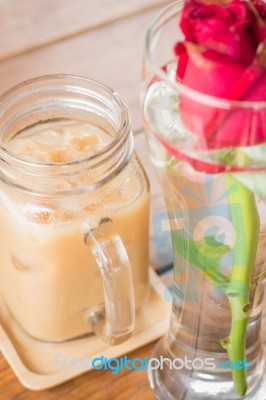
[
  {"x": 238, "y": 290},
  {"x": 206, "y": 255}
]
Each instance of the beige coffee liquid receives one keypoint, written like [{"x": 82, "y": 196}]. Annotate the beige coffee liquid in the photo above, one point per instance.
[{"x": 50, "y": 280}]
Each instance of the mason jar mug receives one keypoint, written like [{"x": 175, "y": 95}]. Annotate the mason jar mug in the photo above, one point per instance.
[{"x": 74, "y": 211}]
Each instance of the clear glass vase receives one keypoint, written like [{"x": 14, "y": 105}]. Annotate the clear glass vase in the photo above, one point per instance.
[{"x": 216, "y": 202}]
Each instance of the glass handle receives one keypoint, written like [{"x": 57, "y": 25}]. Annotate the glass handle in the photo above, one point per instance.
[{"x": 114, "y": 324}]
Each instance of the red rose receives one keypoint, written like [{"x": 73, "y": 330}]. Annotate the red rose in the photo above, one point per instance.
[
  {"x": 224, "y": 29},
  {"x": 219, "y": 58}
]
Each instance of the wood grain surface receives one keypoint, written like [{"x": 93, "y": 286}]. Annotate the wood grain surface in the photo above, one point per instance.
[
  {"x": 29, "y": 24},
  {"x": 112, "y": 55},
  {"x": 103, "y": 40}
]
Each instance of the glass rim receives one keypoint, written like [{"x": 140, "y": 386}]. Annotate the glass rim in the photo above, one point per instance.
[
  {"x": 122, "y": 132},
  {"x": 193, "y": 94}
]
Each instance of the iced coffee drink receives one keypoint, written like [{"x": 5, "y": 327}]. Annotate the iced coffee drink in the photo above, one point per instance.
[{"x": 50, "y": 280}]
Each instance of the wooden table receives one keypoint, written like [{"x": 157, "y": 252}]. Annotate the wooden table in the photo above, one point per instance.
[{"x": 103, "y": 40}]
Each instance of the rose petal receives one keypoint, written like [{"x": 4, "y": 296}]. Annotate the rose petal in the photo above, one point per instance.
[
  {"x": 180, "y": 50},
  {"x": 220, "y": 28},
  {"x": 217, "y": 128},
  {"x": 258, "y": 18}
]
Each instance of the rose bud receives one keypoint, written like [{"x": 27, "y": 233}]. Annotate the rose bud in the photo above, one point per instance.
[
  {"x": 219, "y": 58},
  {"x": 224, "y": 29}
]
